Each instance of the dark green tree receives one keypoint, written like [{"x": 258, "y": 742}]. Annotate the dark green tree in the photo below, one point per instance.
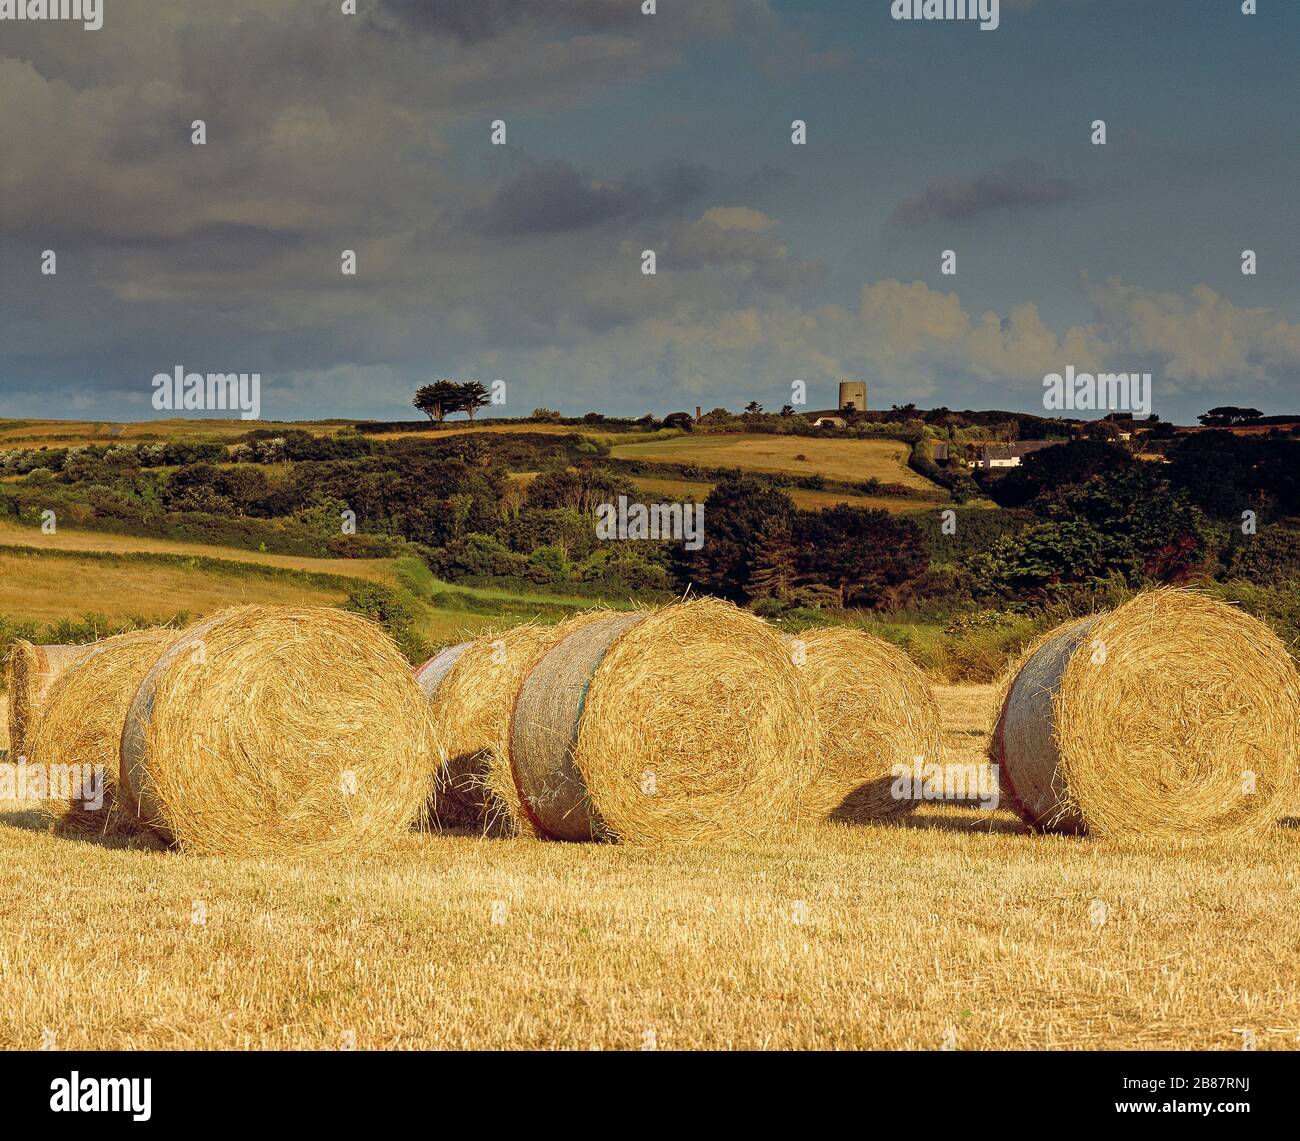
[
  {"x": 872, "y": 558},
  {"x": 735, "y": 513},
  {"x": 439, "y": 399},
  {"x": 473, "y": 396},
  {"x": 1062, "y": 465},
  {"x": 775, "y": 571},
  {"x": 1225, "y": 474},
  {"x": 1227, "y": 415},
  {"x": 581, "y": 490}
]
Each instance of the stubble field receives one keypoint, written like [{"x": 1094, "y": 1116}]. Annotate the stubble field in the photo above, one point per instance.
[
  {"x": 956, "y": 928},
  {"x": 852, "y": 460}
]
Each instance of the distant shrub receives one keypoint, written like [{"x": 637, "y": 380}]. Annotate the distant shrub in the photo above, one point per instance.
[
  {"x": 549, "y": 565},
  {"x": 392, "y": 610}
]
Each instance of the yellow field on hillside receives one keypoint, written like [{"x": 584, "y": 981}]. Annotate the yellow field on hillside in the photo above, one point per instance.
[
  {"x": 12, "y": 535},
  {"x": 459, "y": 428},
  {"x": 677, "y": 489},
  {"x": 955, "y": 927},
  {"x": 852, "y": 460},
  {"x": 74, "y": 433},
  {"x": 46, "y": 589}
]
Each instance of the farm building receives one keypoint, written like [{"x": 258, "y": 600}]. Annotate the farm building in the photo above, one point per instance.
[{"x": 1007, "y": 455}]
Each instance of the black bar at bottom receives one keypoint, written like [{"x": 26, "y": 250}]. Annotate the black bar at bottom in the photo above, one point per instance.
[{"x": 339, "y": 1090}]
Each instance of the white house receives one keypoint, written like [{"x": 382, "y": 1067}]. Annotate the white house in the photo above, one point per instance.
[{"x": 989, "y": 456}]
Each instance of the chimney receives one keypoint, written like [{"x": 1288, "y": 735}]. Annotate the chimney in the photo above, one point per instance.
[{"x": 697, "y": 412}]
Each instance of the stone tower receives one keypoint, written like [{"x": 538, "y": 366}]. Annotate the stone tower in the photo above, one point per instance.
[{"x": 853, "y": 396}]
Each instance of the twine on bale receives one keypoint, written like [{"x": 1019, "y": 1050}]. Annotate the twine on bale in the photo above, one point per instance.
[
  {"x": 272, "y": 730},
  {"x": 877, "y": 715},
  {"x": 1174, "y": 715},
  {"x": 82, "y": 721},
  {"x": 544, "y": 734},
  {"x": 33, "y": 670},
  {"x": 1024, "y": 740},
  {"x": 454, "y": 800},
  {"x": 689, "y": 723},
  {"x": 470, "y": 716},
  {"x": 430, "y": 675}
]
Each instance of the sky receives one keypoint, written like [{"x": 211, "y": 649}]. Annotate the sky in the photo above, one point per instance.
[{"x": 628, "y": 132}]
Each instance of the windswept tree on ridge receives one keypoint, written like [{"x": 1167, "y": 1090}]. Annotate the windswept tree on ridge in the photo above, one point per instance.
[{"x": 439, "y": 399}]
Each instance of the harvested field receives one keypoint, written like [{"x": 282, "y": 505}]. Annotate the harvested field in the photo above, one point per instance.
[
  {"x": 47, "y": 589},
  {"x": 885, "y": 460},
  {"x": 679, "y": 489},
  {"x": 955, "y": 921}
]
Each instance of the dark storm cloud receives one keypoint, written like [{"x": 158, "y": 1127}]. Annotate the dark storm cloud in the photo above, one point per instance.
[
  {"x": 329, "y": 133},
  {"x": 734, "y": 240},
  {"x": 553, "y": 197},
  {"x": 1011, "y": 186}
]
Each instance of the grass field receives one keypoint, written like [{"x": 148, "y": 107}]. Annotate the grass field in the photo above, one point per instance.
[
  {"x": 62, "y": 586},
  {"x": 478, "y": 609},
  {"x": 73, "y": 433},
  {"x": 459, "y": 428},
  {"x": 955, "y": 928},
  {"x": 850, "y": 460},
  {"x": 678, "y": 489},
  {"x": 48, "y": 588},
  {"x": 13, "y": 535}
]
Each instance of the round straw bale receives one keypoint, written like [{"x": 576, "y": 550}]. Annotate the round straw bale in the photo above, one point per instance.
[
  {"x": 1173, "y": 715},
  {"x": 32, "y": 670},
  {"x": 876, "y": 713},
  {"x": 81, "y": 724},
  {"x": 269, "y": 730},
  {"x": 687, "y": 723},
  {"x": 470, "y": 710}
]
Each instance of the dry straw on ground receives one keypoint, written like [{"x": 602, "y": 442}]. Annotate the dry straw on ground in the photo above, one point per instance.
[
  {"x": 81, "y": 723},
  {"x": 685, "y": 724},
  {"x": 1174, "y": 715},
  {"x": 32, "y": 670},
  {"x": 877, "y": 714},
  {"x": 273, "y": 730},
  {"x": 470, "y": 710}
]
